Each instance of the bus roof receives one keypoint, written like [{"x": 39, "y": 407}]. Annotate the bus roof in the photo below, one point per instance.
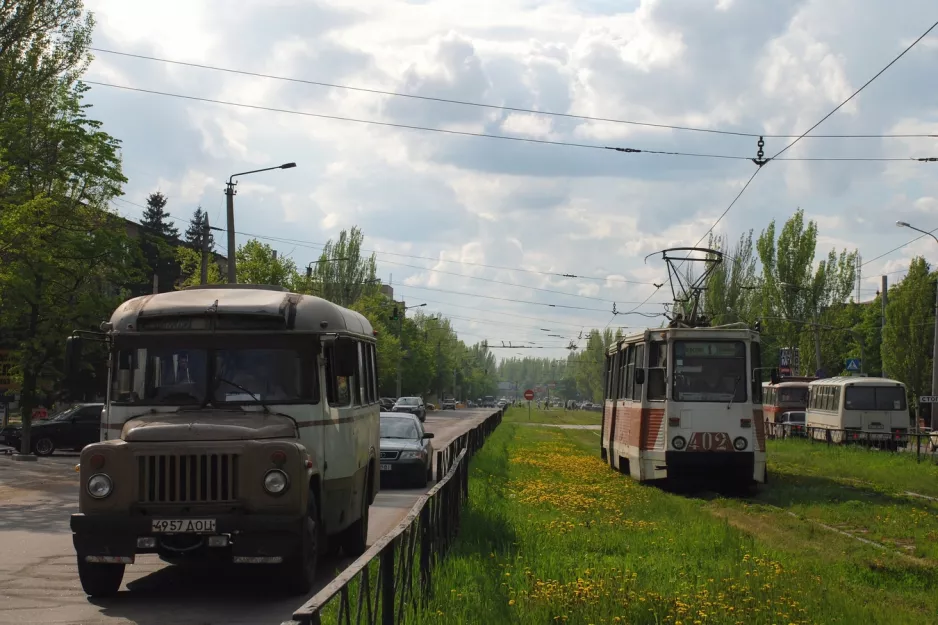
[
  {"x": 792, "y": 383},
  {"x": 848, "y": 380},
  {"x": 301, "y": 313}
]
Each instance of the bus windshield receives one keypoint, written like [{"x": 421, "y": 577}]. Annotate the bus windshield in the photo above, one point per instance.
[
  {"x": 793, "y": 396},
  {"x": 709, "y": 371},
  {"x": 183, "y": 376}
]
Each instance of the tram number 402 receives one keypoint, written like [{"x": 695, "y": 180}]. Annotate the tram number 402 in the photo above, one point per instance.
[{"x": 710, "y": 441}]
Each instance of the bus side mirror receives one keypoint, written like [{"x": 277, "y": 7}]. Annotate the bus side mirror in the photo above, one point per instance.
[
  {"x": 639, "y": 376},
  {"x": 72, "y": 357},
  {"x": 774, "y": 376}
]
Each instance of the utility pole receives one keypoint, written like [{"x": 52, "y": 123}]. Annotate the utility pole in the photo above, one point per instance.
[
  {"x": 817, "y": 340},
  {"x": 229, "y": 197},
  {"x": 156, "y": 284},
  {"x": 206, "y": 233},
  {"x": 884, "y": 291},
  {"x": 400, "y": 353}
]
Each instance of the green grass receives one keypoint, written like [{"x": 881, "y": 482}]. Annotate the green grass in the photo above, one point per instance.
[
  {"x": 554, "y": 415},
  {"x": 859, "y": 491},
  {"x": 551, "y": 534}
]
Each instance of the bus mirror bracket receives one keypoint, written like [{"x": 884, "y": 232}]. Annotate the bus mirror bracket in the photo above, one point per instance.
[{"x": 774, "y": 375}]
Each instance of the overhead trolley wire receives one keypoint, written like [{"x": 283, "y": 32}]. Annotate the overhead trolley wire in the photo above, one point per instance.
[
  {"x": 513, "y": 109},
  {"x": 485, "y": 135}
]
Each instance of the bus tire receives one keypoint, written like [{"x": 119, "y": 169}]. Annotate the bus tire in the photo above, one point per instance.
[
  {"x": 355, "y": 537},
  {"x": 100, "y": 580},
  {"x": 299, "y": 571}
]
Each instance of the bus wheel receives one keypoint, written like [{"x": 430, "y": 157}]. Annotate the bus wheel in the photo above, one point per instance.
[
  {"x": 300, "y": 569},
  {"x": 99, "y": 580},
  {"x": 355, "y": 537}
]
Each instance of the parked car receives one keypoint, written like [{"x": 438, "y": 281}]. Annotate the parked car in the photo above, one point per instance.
[
  {"x": 793, "y": 424},
  {"x": 387, "y": 403},
  {"x": 448, "y": 404},
  {"x": 406, "y": 450},
  {"x": 72, "y": 428},
  {"x": 412, "y": 405}
]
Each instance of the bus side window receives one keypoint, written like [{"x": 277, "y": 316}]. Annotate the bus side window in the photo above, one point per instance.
[
  {"x": 639, "y": 366},
  {"x": 331, "y": 394},
  {"x": 358, "y": 385},
  {"x": 344, "y": 357},
  {"x": 657, "y": 369},
  {"x": 370, "y": 393}
]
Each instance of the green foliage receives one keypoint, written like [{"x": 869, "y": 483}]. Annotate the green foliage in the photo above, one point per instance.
[
  {"x": 63, "y": 255},
  {"x": 257, "y": 263},
  {"x": 158, "y": 238},
  {"x": 342, "y": 275},
  {"x": 909, "y": 331},
  {"x": 190, "y": 265},
  {"x": 195, "y": 233},
  {"x": 730, "y": 296}
]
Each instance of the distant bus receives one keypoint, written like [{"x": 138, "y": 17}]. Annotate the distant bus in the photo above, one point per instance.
[
  {"x": 858, "y": 409},
  {"x": 787, "y": 395}
]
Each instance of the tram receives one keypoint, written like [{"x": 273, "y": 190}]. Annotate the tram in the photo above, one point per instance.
[
  {"x": 685, "y": 401},
  {"x": 787, "y": 395}
]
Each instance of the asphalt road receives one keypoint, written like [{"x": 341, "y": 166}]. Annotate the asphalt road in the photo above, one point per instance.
[{"x": 39, "y": 577}]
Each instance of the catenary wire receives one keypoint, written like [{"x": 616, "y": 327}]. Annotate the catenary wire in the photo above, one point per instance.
[
  {"x": 484, "y": 135},
  {"x": 501, "y": 107}
]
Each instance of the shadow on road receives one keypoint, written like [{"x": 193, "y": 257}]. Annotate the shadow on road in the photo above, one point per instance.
[{"x": 200, "y": 593}]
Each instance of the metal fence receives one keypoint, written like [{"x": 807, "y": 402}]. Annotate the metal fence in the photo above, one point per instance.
[
  {"x": 393, "y": 578},
  {"x": 922, "y": 444}
]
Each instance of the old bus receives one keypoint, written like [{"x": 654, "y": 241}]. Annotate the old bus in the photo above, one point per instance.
[
  {"x": 789, "y": 394},
  {"x": 850, "y": 408},
  {"x": 685, "y": 403},
  {"x": 241, "y": 425}
]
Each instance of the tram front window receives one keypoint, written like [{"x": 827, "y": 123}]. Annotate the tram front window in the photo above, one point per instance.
[
  {"x": 710, "y": 371},
  {"x": 793, "y": 395}
]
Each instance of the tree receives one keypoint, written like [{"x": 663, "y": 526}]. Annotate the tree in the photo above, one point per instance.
[
  {"x": 62, "y": 252},
  {"x": 793, "y": 293},
  {"x": 342, "y": 274},
  {"x": 158, "y": 239},
  {"x": 190, "y": 266},
  {"x": 729, "y": 294},
  {"x": 195, "y": 233},
  {"x": 258, "y": 263},
  {"x": 909, "y": 331}
]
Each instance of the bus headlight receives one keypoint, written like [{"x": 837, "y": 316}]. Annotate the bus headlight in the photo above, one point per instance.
[
  {"x": 679, "y": 442},
  {"x": 740, "y": 443},
  {"x": 276, "y": 482},
  {"x": 100, "y": 486}
]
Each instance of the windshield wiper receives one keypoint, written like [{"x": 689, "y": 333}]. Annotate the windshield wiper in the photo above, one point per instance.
[
  {"x": 733, "y": 396},
  {"x": 249, "y": 392}
]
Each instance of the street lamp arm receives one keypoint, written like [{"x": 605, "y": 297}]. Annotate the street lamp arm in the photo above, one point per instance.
[
  {"x": 904, "y": 224},
  {"x": 255, "y": 171}
]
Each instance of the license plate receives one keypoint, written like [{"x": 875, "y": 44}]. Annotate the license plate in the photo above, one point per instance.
[
  {"x": 183, "y": 526},
  {"x": 709, "y": 441},
  {"x": 385, "y": 467}
]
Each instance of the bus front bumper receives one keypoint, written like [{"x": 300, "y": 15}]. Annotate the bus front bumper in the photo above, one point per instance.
[{"x": 242, "y": 538}]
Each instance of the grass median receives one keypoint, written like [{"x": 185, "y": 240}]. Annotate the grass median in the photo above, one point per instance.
[
  {"x": 557, "y": 416},
  {"x": 551, "y": 534}
]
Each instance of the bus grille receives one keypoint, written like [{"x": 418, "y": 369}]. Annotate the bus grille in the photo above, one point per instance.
[{"x": 187, "y": 479}]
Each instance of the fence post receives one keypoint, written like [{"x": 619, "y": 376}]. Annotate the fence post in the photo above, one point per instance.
[
  {"x": 426, "y": 578},
  {"x": 387, "y": 584}
]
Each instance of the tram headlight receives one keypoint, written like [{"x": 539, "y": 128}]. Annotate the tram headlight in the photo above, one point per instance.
[
  {"x": 740, "y": 443},
  {"x": 679, "y": 442}
]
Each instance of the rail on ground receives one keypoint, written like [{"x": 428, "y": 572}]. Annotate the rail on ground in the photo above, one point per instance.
[{"x": 394, "y": 577}]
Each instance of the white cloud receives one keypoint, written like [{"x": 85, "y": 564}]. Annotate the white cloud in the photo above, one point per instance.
[{"x": 469, "y": 205}]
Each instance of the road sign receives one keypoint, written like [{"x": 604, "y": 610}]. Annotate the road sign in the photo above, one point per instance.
[
  {"x": 928, "y": 399},
  {"x": 853, "y": 365},
  {"x": 529, "y": 394}
]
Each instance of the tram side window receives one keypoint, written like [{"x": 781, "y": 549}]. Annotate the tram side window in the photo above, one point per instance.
[
  {"x": 639, "y": 364},
  {"x": 610, "y": 363},
  {"x": 657, "y": 370},
  {"x": 756, "y": 355},
  {"x": 621, "y": 362}
]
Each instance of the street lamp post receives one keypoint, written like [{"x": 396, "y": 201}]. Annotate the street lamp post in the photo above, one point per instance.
[
  {"x": 230, "y": 193},
  {"x": 934, "y": 347},
  {"x": 400, "y": 333}
]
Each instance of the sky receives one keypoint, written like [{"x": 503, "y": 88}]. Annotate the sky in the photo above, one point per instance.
[{"x": 482, "y": 230}]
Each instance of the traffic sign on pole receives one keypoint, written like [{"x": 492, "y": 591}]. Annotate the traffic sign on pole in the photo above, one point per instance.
[
  {"x": 928, "y": 399},
  {"x": 529, "y": 394},
  {"x": 853, "y": 365}
]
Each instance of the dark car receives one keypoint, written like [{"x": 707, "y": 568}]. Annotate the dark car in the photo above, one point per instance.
[
  {"x": 488, "y": 402},
  {"x": 412, "y": 405},
  {"x": 449, "y": 403},
  {"x": 72, "y": 428},
  {"x": 387, "y": 403},
  {"x": 406, "y": 451},
  {"x": 793, "y": 424}
]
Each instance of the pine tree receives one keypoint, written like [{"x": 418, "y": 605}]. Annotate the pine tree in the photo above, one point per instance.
[
  {"x": 155, "y": 217},
  {"x": 196, "y": 229}
]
